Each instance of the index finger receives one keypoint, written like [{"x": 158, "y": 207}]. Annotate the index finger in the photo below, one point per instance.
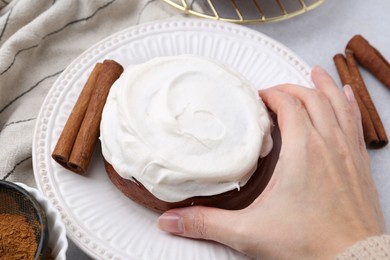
[{"x": 292, "y": 116}]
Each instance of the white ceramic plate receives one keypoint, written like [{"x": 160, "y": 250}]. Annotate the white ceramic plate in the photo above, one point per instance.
[{"x": 98, "y": 218}]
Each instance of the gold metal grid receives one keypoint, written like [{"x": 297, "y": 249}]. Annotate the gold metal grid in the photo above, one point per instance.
[{"x": 245, "y": 11}]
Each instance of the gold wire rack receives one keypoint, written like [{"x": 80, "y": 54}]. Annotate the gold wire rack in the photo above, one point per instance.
[{"x": 245, "y": 11}]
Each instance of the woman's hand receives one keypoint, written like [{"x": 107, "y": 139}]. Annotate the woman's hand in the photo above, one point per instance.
[{"x": 321, "y": 198}]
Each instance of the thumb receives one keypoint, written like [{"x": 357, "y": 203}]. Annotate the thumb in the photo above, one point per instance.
[{"x": 199, "y": 222}]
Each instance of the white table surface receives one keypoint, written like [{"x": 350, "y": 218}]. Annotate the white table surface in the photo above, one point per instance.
[{"x": 316, "y": 37}]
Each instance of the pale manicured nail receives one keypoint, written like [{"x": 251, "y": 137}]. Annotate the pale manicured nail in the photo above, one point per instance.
[
  {"x": 319, "y": 69},
  {"x": 171, "y": 222},
  {"x": 349, "y": 93}
]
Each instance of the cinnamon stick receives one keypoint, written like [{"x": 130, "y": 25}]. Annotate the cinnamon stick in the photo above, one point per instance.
[
  {"x": 370, "y": 135},
  {"x": 89, "y": 131},
  {"x": 366, "y": 99},
  {"x": 370, "y": 58},
  {"x": 63, "y": 148}
]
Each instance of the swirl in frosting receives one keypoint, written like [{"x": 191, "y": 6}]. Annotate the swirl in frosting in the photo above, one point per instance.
[{"x": 184, "y": 126}]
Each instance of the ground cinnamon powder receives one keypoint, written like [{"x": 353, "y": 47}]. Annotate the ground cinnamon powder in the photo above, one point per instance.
[{"x": 17, "y": 238}]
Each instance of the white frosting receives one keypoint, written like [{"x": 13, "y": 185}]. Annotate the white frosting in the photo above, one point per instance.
[{"x": 184, "y": 126}]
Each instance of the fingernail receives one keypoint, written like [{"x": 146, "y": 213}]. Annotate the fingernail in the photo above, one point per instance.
[
  {"x": 171, "y": 222},
  {"x": 319, "y": 69},
  {"x": 349, "y": 94}
]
